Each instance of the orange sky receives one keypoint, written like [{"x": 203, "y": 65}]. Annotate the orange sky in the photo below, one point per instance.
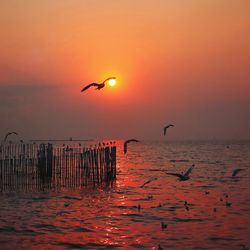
[{"x": 185, "y": 62}]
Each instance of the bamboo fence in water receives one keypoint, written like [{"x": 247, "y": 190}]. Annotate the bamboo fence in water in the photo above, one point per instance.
[{"x": 39, "y": 166}]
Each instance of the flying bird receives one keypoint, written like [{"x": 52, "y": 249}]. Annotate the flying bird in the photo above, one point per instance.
[
  {"x": 183, "y": 177},
  {"x": 236, "y": 171},
  {"x": 98, "y": 85},
  {"x": 125, "y": 145},
  {"x": 147, "y": 182},
  {"x": 8, "y": 134},
  {"x": 166, "y": 127}
]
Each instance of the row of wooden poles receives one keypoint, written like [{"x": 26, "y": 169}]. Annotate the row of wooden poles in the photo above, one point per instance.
[{"x": 40, "y": 166}]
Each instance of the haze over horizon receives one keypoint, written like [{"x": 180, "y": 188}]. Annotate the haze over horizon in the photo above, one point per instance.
[{"x": 180, "y": 62}]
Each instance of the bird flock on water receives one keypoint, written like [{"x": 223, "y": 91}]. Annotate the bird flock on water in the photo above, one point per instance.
[{"x": 180, "y": 176}]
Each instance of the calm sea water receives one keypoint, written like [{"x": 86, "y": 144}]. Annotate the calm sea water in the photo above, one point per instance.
[{"x": 109, "y": 218}]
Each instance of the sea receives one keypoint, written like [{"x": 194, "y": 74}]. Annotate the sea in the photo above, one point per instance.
[{"x": 145, "y": 208}]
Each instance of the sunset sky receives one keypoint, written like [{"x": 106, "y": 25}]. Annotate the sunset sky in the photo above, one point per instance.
[{"x": 185, "y": 62}]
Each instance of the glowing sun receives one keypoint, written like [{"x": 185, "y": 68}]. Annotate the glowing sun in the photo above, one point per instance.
[{"x": 112, "y": 82}]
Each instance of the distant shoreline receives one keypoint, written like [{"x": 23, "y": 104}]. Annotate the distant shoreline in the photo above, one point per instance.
[{"x": 64, "y": 140}]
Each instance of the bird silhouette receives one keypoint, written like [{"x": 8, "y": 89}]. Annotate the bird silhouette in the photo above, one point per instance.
[
  {"x": 159, "y": 247},
  {"x": 163, "y": 225},
  {"x": 139, "y": 207},
  {"x": 8, "y": 134},
  {"x": 236, "y": 171},
  {"x": 98, "y": 85},
  {"x": 125, "y": 145},
  {"x": 166, "y": 127},
  {"x": 147, "y": 182},
  {"x": 244, "y": 247},
  {"x": 186, "y": 205},
  {"x": 183, "y": 177}
]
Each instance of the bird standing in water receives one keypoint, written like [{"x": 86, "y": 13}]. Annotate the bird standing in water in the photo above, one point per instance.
[
  {"x": 163, "y": 225},
  {"x": 98, "y": 85}
]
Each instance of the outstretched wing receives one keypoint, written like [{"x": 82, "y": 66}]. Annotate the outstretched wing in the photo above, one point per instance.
[
  {"x": 6, "y": 136},
  {"x": 175, "y": 174},
  {"x": 189, "y": 171},
  {"x": 147, "y": 182},
  {"x": 125, "y": 145},
  {"x": 90, "y": 85},
  {"x": 9, "y": 133},
  {"x": 125, "y": 148},
  {"x": 109, "y": 78},
  {"x": 236, "y": 171},
  {"x": 166, "y": 127},
  {"x": 131, "y": 140}
]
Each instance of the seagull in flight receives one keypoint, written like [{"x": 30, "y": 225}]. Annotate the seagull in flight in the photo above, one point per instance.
[
  {"x": 98, "y": 85},
  {"x": 125, "y": 145},
  {"x": 166, "y": 127},
  {"x": 8, "y": 134},
  {"x": 183, "y": 177},
  {"x": 236, "y": 171}
]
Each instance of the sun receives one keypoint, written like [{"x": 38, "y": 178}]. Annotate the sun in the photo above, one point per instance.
[{"x": 112, "y": 82}]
